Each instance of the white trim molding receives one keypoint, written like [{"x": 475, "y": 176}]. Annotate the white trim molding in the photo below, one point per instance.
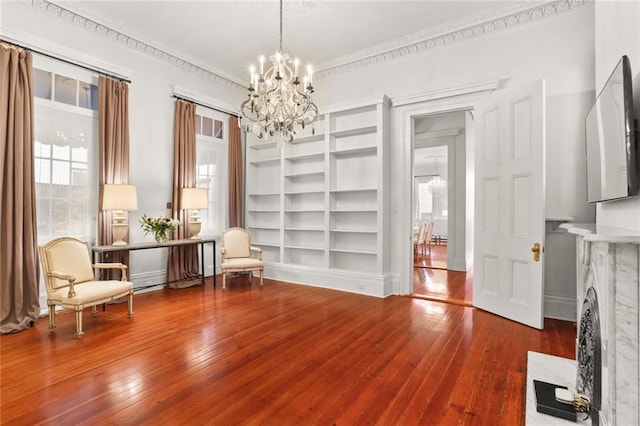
[
  {"x": 499, "y": 19},
  {"x": 73, "y": 13}
]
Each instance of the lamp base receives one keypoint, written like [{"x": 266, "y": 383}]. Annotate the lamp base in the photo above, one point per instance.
[
  {"x": 194, "y": 230},
  {"x": 119, "y": 233}
]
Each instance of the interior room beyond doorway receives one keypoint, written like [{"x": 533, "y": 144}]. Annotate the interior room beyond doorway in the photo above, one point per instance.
[{"x": 439, "y": 205}]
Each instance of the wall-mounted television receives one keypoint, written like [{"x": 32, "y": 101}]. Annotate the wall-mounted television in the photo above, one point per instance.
[{"x": 612, "y": 140}]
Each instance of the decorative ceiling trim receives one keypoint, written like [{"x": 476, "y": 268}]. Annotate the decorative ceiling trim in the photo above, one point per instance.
[
  {"x": 516, "y": 13},
  {"x": 118, "y": 35}
]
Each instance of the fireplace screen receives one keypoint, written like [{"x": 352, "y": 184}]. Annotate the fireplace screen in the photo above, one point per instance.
[{"x": 589, "y": 380}]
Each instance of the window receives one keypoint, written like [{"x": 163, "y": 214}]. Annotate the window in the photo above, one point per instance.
[
  {"x": 65, "y": 150},
  {"x": 211, "y": 167}
]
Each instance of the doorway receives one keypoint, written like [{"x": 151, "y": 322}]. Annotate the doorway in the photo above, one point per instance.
[{"x": 441, "y": 263}]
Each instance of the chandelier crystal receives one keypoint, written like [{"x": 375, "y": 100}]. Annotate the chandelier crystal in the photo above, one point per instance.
[{"x": 278, "y": 103}]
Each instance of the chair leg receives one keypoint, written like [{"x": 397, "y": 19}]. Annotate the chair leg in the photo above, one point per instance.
[
  {"x": 130, "y": 302},
  {"x": 224, "y": 280},
  {"x": 79, "y": 331},
  {"x": 52, "y": 317},
  {"x": 94, "y": 311},
  {"x": 261, "y": 274}
]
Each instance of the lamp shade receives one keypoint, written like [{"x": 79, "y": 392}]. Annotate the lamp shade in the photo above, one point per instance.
[
  {"x": 194, "y": 198},
  {"x": 119, "y": 197}
]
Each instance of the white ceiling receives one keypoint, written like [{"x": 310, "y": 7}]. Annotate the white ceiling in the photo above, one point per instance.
[{"x": 225, "y": 37}]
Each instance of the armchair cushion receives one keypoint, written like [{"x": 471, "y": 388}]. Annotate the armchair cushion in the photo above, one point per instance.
[
  {"x": 242, "y": 263},
  {"x": 91, "y": 293}
]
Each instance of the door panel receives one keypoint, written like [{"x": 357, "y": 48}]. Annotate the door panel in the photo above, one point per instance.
[{"x": 510, "y": 204}]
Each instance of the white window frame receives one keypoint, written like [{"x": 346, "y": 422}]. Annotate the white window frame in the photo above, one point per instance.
[
  {"x": 43, "y": 105},
  {"x": 218, "y": 191}
]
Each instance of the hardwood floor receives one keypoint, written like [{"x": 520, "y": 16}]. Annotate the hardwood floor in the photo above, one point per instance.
[
  {"x": 281, "y": 354},
  {"x": 432, "y": 280}
]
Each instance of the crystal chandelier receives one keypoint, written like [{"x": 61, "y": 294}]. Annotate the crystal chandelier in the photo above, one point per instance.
[
  {"x": 278, "y": 103},
  {"x": 437, "y": 186}
]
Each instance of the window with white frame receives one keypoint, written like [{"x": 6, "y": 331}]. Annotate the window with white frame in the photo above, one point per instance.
[
  {"x": 212, "y": 137},
  {"x": 65, "y": 150}
]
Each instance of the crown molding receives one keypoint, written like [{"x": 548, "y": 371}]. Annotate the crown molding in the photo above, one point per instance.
[
  {"x": 474, "y": 26},
  {"x": 499, "y": 19},
  {"x": 73, "y": 13}
]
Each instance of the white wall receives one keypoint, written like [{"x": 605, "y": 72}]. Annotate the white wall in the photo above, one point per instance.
[
  {"x": 617, "y": 33},
  {"x": 559, "y": 49},
  {"x": 151, "y": 113}
]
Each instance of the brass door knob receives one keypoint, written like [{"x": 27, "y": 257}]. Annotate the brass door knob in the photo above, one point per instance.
[{"x": 536, "y": 252}]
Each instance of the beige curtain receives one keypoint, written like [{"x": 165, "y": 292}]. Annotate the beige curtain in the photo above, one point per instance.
[
  {"x": 182, "y": 262},
  {"x": 19, "y": 273},
  {"x": 113, "y": 122},
  {"x": 236, "y": 193}
]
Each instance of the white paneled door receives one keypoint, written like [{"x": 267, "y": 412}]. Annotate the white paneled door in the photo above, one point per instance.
[{"x": 509, "y": 236}]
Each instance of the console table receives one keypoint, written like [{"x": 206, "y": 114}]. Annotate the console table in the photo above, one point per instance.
[{"x": 102, "y": 251}]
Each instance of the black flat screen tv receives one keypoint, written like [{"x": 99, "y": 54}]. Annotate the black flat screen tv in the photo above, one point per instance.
[{"x": 612, "y": 141}]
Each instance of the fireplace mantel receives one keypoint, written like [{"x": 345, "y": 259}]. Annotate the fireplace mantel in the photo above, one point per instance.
[{"x": 608, "y": 259}]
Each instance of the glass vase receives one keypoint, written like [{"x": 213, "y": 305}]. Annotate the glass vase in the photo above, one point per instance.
[{"x": 161, "y": 237}]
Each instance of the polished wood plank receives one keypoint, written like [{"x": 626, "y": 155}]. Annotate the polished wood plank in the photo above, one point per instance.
[
  {"x": 280, "y": 354},
  {"x": 432, "y": 280}
]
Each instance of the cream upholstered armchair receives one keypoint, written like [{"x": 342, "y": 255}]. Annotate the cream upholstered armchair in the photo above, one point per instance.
[
  {"x": 236, "y": 254},
  {"x": 71, "y": 283}
]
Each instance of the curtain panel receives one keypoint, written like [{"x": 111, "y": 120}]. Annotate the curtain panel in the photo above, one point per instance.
[
  {"x": 182, "y": 262},
  {"x": 19, "y": 273},
  {"x": 113, "y": 162},
  {"x": 236, "y": 175}
]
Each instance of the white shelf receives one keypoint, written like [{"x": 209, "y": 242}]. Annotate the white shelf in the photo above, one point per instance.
[
  {"x": 354, "y": 190},
  {"x": 263, "y": 194},
  {"x": 303, "y": 192},
  {"x": 265, "y": 161},
  {"x": 304, "y": 211},
  {"x": 303, "y": 174},
  {"x": 317, "y": 155},
  {"x": 353, "y": 210},
  {"x": 303, "y": 248},
  {"x": 332, "y": 216},
  {"x": 367, "y": 252},
  {"x": 263, "y": 145},
  {"x": 256, "y": 243},
  {"x": 356, "y": 231},
  {"x": 355, "y": 131},
  {"x": 262, "y": 227},
  {"x": 354, "y": 151},
  {"x": 310, "y": 138}
]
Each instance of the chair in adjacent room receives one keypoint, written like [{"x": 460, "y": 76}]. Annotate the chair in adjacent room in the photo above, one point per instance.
[
  {"x": 427, "y": 237},
  {"x": 237, "y": 254},
  {"x": 418, "y": 237},
  {"x": 71, "y": 282}
]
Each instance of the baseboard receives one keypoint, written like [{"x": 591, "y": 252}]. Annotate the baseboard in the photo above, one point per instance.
[
  {"x": 352, "y": 282},
  {"x": 562, "y": 308},
  {"x": 148, "y": 280}
]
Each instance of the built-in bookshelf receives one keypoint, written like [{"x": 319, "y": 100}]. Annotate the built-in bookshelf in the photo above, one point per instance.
[{"x": 317, "y": 202}]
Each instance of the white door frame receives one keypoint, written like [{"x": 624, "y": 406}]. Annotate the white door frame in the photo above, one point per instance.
[{"x": 451, "y": 100}]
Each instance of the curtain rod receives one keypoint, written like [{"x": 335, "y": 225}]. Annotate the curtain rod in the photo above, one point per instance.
[
  {"x": 66, "y": 61},
  {"x": 183, "y": 98}
]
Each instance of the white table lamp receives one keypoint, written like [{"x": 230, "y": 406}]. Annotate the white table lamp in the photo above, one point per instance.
[
  {"x": 194, "y": 199},
  {"x": 120, "y": 198}
]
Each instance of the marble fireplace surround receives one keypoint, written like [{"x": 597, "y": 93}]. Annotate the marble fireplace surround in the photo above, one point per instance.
[{"x": 608, "y": 259}]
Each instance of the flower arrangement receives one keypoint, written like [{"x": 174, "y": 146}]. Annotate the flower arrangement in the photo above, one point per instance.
[{"x": 159, "y": 226}]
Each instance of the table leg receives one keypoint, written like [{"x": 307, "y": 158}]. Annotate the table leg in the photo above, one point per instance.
[
  {"x": 202, "y": 261},
  {"x": 214, "y": 263}
]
